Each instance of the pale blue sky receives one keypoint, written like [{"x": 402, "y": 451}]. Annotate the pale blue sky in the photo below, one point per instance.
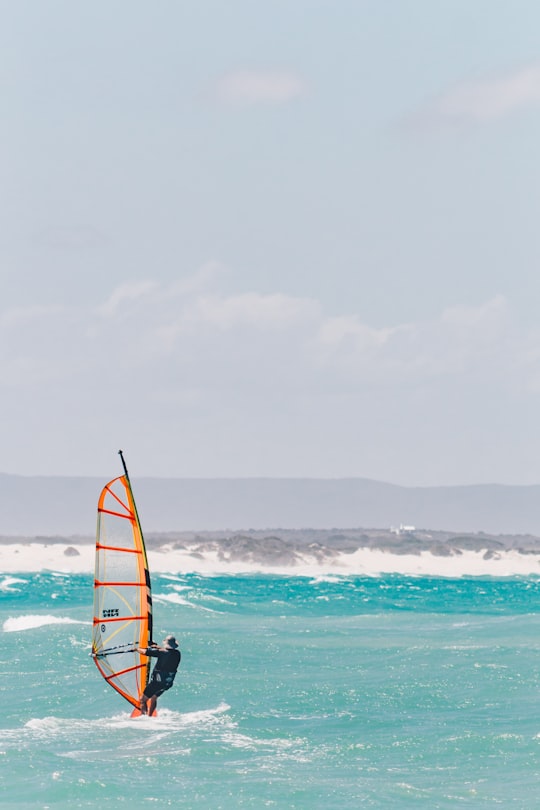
[{"x": 296, "y": 238}]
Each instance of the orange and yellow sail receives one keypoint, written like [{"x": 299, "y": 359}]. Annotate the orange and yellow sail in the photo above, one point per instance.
[{"x": 122, "y": 592}]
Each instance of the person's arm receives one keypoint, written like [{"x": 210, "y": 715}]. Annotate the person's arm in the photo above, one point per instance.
[{"x": 150, "y": 651}]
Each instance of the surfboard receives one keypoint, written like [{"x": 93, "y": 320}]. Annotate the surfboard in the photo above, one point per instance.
[
  {"x": 138, "y": 713},
  {"x": 122, "y": 622}
]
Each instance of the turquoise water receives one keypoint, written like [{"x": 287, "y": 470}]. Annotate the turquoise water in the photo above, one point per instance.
[{"x": 388, "y": 692}]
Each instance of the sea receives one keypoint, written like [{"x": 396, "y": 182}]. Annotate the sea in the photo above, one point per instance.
[{"x": 294, "y": 692}]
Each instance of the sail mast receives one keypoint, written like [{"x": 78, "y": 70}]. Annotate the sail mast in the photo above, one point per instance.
[{"x": 146, "y": 569}]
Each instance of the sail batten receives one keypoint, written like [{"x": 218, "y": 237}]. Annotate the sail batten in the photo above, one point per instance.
[
  {"x": 111, "y": 583},
  {"x": 122, "y": 593},
  {"x": 116, "y": 514},
  {"x": 120, "y": 619}
]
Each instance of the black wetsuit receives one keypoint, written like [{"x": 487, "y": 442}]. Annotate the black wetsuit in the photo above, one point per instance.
[{"x": 165, "y": 668}]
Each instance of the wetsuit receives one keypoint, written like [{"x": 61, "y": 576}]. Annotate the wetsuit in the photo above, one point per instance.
[{"x": 164, "y": 671}]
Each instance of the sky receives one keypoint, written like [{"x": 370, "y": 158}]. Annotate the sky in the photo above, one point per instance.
[{"x": 290, "y": 239}]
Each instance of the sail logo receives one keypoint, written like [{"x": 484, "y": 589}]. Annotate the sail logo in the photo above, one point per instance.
[{"x": 110, "y": 613}]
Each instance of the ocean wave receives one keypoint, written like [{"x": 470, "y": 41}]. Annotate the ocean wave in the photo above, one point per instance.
[
  {"x": 17, "y": 623},
  {"x": 331, "y": 579},
  {"x": 45, "y": 725},
  {"x": 8, "y": 582},
  {"x": 168, "y": 719},
  {"x": 176, "y": 599},
  {"x": 203, "y": 716}
]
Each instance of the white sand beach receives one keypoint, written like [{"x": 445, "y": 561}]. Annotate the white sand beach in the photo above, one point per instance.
[{"x": 79, "y": 558}]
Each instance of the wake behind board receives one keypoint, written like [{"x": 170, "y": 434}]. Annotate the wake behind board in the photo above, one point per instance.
[{"x": 138, "y": 713}]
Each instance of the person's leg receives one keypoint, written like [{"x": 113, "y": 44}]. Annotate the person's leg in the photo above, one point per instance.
[
  {"x": 152, "y": 705},
  {"x": 144, "y": 701}
]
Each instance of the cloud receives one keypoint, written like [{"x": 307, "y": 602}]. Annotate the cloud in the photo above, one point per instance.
[
  {"x": 249, "y": 383},
  {"x": 247, "y": 87},
  {"x": 202, "y": 278},
  {"x": 272, "y": 311},
  {"x": 194, "y": 335},
  {"x": 132, "y": 291},
  {"x": 336, "y": 331},
  {"x": 190, "y": 323},
  {"x": 462, "y": 341},
  {"x": 488, "y": 99},
  {"x": 131, "y": 296},
  {"x": 459, "y": 341}
]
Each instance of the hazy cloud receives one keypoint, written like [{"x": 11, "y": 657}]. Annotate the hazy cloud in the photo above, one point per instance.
[
  {"x": 274, "y": 311},
  {"x": 260, "y": 87},
  {"x": 270, "y": 369},
  {"x": 202, "y": 278},
  {"x": 132, "y": 291},
  {"x": 152, "y": 328},
  {"x": 489, "y": 98},
  {"x": 459, "y": 340}
]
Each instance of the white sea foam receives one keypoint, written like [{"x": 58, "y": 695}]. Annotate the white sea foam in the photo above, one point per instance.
[
  {"x": 176, "y": 599},
  {"x": 210, "y": 598},
  {"x": 17, "y": 623},
  {"x": 8, "y": 582},
  {"x": 44, "y": 725},
  {"x": 167, "y": 719},
  {"x": 205, "y": 715},
  {"x": 173, "y": 598},
  {"x": 172, "y": 720}
]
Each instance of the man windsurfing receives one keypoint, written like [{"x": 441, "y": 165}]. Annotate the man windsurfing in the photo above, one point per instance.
[{"x": 168, "y": 660}]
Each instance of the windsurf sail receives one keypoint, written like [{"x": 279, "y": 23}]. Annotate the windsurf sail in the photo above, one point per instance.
[{"x": 122, "y": 592}]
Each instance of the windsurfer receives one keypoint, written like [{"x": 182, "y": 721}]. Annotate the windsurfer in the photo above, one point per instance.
[{"x": 168, "y": 660}]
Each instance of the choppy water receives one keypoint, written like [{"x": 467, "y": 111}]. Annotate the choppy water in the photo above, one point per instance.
[{"x": 386, "y": 692}]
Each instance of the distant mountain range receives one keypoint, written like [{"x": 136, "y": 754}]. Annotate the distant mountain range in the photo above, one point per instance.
[{"x": 42, "y": 506}]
